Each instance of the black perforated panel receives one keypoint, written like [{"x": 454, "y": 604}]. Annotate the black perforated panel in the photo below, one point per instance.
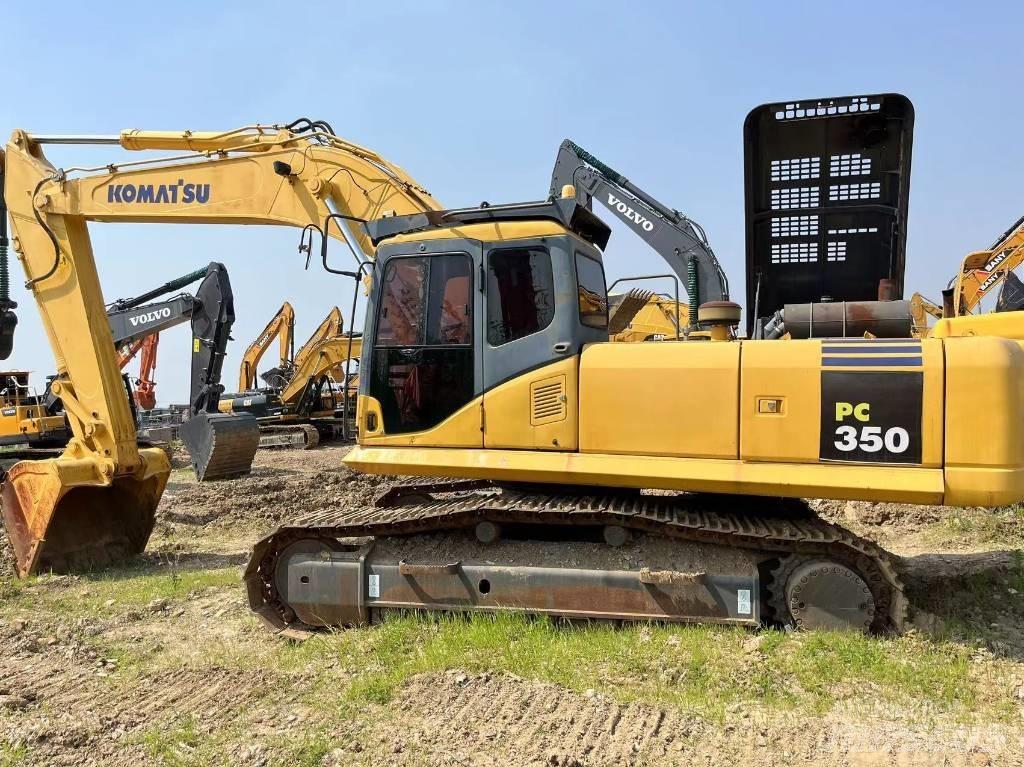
[{"x": 827, "y": 190}]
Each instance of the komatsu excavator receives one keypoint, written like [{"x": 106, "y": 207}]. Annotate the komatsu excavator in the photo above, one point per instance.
[{"x": 485, "y": 360}]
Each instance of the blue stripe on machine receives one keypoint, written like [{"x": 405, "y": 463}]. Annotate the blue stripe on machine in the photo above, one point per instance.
[
  {"x": 871, "y": 362},
  {"x": 887, "y": 349},
  {"x": 870, "y": 341}
]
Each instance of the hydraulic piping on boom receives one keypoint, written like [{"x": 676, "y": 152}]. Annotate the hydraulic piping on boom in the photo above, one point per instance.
[
  {"x": 96, "y": 502},
  {"x": 679, "y": 240}
]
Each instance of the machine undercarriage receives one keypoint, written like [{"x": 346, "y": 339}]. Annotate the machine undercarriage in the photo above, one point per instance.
[{"x": 574, "y": 553}]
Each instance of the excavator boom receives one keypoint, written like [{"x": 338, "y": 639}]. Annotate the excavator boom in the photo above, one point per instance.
[
  {"x": 679, "y": 240},
  {"x": 983, "y": 270},
  {"x": 97, "y": 501},
  {"x": 329, "y": 328},
  {"x": 281, "y": 327}
]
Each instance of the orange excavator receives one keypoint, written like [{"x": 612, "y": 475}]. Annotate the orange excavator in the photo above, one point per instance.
[{"x": 145, "y": 385}]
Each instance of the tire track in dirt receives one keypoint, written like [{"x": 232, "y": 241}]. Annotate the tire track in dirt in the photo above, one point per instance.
[
  {"x": 486, "y": 721},
  {"x": 81, "y": 712},
  {"x": 531, "y": 723}
]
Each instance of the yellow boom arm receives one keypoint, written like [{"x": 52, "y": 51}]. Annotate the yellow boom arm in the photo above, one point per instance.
[
  {"x": 985, "y": 269},
  {"x": 281, "y": 327},
  {"x": 326, "y": 356},
  {"x": 253, "y": 175},
  {"x": 329, "y": 328}
]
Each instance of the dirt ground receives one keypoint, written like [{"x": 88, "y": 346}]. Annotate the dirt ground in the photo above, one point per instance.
[{"x": 110, "y": 670}]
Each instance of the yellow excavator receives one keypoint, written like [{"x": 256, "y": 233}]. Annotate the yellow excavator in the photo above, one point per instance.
[
  {"x": 304, "y": 396},
  {"x": 281, "y": 327},
  {"x": 980, "y": 272},
  {"x": 311, "y": 406},
  {"x": 25, "y": 418},
  {"x": 485, "y": 360}
]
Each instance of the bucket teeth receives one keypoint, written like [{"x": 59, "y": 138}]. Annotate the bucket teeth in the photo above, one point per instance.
[{"x": 221, "y": 445}]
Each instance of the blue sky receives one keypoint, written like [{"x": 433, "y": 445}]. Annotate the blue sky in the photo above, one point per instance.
[{"x": 473, "y": 99}]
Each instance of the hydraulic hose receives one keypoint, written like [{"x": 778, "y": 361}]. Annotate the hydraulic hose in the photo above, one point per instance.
[
  {"x": 49, "y": 233},
  {"x": 691, "y": 289},
  {"x": 5, "y": 277}
]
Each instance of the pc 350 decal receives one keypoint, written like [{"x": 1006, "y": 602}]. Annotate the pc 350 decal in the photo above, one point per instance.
[{"x": 871, "y": 414}]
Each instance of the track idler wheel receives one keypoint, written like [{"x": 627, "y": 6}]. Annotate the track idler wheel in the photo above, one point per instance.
[{"x": 818, "y": 593}]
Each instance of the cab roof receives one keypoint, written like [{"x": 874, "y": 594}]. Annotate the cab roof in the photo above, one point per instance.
[{"x": 565, "y": 211}]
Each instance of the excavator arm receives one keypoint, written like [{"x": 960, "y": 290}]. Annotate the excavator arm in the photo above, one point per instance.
[
  {"x": 281, "y": 327},
  {"x": 680, "y": 241},
  {"x": 326, "y": 357},
  {"x": 329, "y": 328},
  {"x": 97, "y": 500},
  {"x": 983, "y": 270}
]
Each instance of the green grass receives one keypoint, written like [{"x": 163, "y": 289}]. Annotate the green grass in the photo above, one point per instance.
[
  {"x": 131, "y": 587},
  {"x": 13, "y": 755},
  {"x": 701, "y": 669},
  {"x": 998, "y": 527}
]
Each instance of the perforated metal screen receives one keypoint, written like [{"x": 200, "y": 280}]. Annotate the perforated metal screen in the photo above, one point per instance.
[{"x": 827, "y": 190}]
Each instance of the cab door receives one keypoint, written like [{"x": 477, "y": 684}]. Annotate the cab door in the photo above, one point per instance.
[
  {"x": 534, "y": 333},
  {"x": 425, "y": 377}
]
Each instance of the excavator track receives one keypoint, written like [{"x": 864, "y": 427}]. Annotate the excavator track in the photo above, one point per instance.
[
  {"x": 784, "y": 535},
  {"x": 299, "y": 436}
]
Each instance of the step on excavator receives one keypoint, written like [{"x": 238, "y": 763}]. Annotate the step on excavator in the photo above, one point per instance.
[{"x": 486, "y": 362}]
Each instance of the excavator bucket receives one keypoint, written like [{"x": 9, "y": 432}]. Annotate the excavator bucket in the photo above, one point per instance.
[
  {"x": 60, "y": 519},
  {"x": 626, "y": 308},
  {"x": 222, "y": 445}
]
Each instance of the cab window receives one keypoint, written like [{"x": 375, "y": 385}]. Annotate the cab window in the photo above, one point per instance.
[
  {"x": 520, "y": 293},
  {"x": 425, "y": 302},
  {"x": 593, "y": 295},
  {"x": 423, "y": 355}
]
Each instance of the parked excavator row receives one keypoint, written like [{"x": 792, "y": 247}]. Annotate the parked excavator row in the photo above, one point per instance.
[
  {"x": 483, "y": 363},
  {"x": 310, "y": 396},
  {"x": 135, "y": 324}
]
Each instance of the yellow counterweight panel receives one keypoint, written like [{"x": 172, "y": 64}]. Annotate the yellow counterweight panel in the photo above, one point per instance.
[
  {"x": 535, "y": 411},
  {"x": 462, "y": 429},
  {"x": 673, "y": 399},
  {"x": 984, "y": 413}
]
